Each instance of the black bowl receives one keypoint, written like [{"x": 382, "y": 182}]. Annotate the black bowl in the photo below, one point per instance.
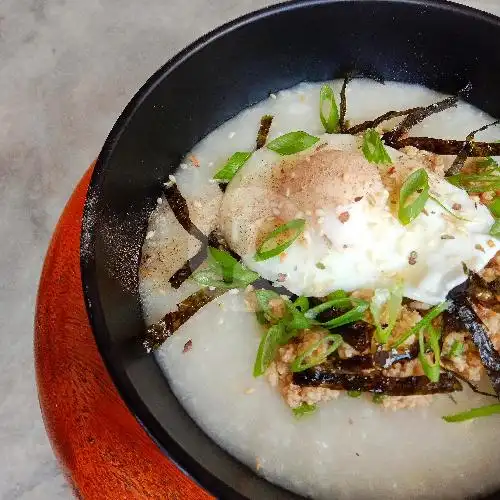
[{"x": 440, "y": 45}]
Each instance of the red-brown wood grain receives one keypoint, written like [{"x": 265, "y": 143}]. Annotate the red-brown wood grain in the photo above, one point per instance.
[{"x": 103, "y": 451}]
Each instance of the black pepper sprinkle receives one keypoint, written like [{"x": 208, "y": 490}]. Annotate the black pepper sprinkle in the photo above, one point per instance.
[
  {"x": 447, "y": 237},
  {"x": 412, "y": 259}
]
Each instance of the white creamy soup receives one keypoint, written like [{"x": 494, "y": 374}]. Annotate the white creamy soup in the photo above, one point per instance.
[{"x": 349, "y": 447}]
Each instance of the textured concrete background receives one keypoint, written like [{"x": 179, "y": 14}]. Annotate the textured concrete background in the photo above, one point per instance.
[{"x": 67, "y": 69}]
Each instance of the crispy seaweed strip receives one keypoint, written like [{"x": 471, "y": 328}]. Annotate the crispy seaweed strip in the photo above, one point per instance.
[
  {"x": 160, "y": 331},
  {"x": 461, "y": 306},
  {"x": 179, "y": 206},
  {"x": 362, "y": 127},
  {"x": 216, "y": 240},
  {"x": 354, "y": 364},
  {"x": 464, "y": 153},
  {"x": 378, "y": 384},
  {"x": 449, "y": 146},
  {"x": 392, "y": 138},
  {"x": 265, "y": 125},
  {"x": 469, "y": 383},
  {"x": 343, "y": 102}
]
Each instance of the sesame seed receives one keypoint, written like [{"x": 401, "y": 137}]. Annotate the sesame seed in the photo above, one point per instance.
[
  {"x": 184, "y": 166},
  {"x": 272, "y": 96},
  {"x": 150, "y": 235},
  {"x": 234, "y": 291},
  {"x": 258, "y": 465},
  {"x": 250, "y": 390},
  {"x": 412, "y": 259},
  {"x": 159, "y": 201},
  {"x": 172, "y": 178},
  {"x": 231, "y": 135}
]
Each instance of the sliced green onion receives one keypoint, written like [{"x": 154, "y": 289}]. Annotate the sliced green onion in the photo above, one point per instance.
[
  {"x": 378, "y": 399},
  {"x": 373, "y": 148},
  {"x": 267, "y": 349},
  {"x": 416, "y": 183},
  {"x": 357, "y": 308},
  {"x": 328, "y": 110},
  {"x": 263, "y": 298},
  {"x": 301, "y": 304},
  {"x": 495, "y": 229},
  {"x": 292, "y": 143},
  {"x": 231, "y": 167},
  {"x": 456, "y": 349},
  {"x": 304, "y": 409},
  {"x": 483, "y": 411},
  {"x": 296, "y": 225},
  {"x": 224, "y": 271},
  {"x": 423, "y": 323},
  {"x": 320, "y": 265},
  {"x": 431, "y": 370},
  {"x": 494, "y": 207},
  {"x": 298, "y": 321},
  {"x": 476, "y": 183},
  {"x": 300, "y": 364},
  {"x": 337, "y": 294},
  {"x": 446, "y": 209},
  {"x": 392, "y": 300},
  {"x": 354, "y": 394}
]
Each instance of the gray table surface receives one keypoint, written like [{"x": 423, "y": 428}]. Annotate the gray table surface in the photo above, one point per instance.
[{"x": 68, "y": 67}]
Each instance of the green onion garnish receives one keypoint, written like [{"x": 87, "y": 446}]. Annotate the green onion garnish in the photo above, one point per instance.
[
  {"x": 416, "y": 183},
  {"x": 355, "y": 311},
  {"x": 495, "y": 229},
  {"x": 292, "y": 143},
  {"x": 328, "y": 110},
  {"x": 483, "y": 411},
  {"x": 300, "y": 364},
  {"x": 456, "y": 349},
  {"x": 431, "y": 370},
  {"x": 354, "y": 394},
  {"x": 304, "y": 409},
  {"x": 446, "y": 209},
  {"x": 392, "y": 300},
  {"x": 301, "y": 304},
  {"x": 423, "y": 323},
  {"x": 229, "y": 170},
  {"x": 264, "y": 252},
  {"x": 263, "y": 298},
  {"x": 267, "y": 349},
  {"x": 476, "y": 183},
  {"x": 337, "y": 294},
  {"x": 224, "y": 271},
  {"x": 494, "y": 207},
  {"x": 378, "y": 399},
  {"x": 373, "y": 148}
]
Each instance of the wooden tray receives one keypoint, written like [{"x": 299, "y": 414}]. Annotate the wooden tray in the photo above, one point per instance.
[{"x": 102, "y": 449}]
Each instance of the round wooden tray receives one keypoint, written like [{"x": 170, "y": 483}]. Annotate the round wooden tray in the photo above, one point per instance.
[{"x": 103, "y": 450}]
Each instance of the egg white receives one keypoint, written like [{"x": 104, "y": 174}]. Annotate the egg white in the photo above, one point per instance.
[{"x": 372, "y": 248}]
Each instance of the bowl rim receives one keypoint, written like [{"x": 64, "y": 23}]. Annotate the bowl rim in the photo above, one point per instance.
[{"x": 168, "y": 446}]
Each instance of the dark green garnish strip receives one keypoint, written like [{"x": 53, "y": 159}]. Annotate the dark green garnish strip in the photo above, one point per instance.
[
  {"x": 293, "y": 142},
  {"x": 461, "y": 307},
  {"x": 343, "y": 102},
  {"x": 418, "y": 115},
  {"x": 464, "y": 153},
  {"x": 330, "y": 118},
  {"x": 354, "y": 311},
  {"x": 330, "y": 378},
  {"x": 265, "y": 125},
  {"x": 306, "y": 359},
  {"x": 362, "y": 127},
  {"x": 179, "y": 207},
  {"x": 448, "y": 146},
  {"x": 431, "y": 369},
  {"x": 160, "y": 331},
  {"x": 232, "y": 166}
]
